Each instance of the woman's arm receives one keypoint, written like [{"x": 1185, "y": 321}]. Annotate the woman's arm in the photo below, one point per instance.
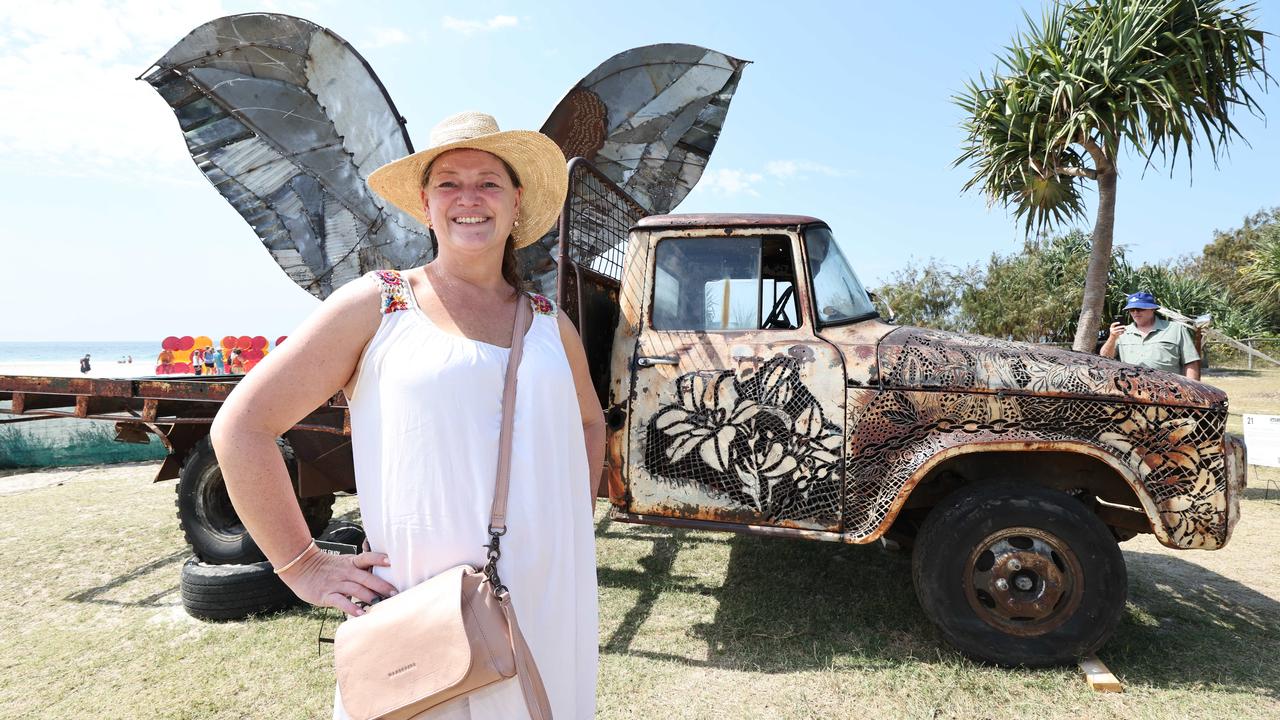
[
  {"x": 296, "y": 378},
  {"x": 588, "y": 403}
]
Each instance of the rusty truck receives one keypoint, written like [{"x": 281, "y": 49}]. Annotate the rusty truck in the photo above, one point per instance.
[{"x": 749, "y": 385}]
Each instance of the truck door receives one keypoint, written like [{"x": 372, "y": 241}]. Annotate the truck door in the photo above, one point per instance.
[{"x": 737, "y": 411}]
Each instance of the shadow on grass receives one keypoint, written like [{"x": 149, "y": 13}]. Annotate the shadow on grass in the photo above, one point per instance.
[
  {"x": 1187, "y": 626},
  {"x": 792, "y": 605},
  {"x": 784, "y": 605},
  {"x": 98, "y": 594}
]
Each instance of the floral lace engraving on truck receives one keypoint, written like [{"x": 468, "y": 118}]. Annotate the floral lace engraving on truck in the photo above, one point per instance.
[
  {"x": 918, "y": 358},
  {"x": 1173, "y": 446},
  {"x": 759, "y": 441}
]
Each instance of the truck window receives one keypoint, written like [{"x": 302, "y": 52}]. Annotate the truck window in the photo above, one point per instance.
[
  {"x": 838, "y": 295},
  {"x": 724, "y": 284}
]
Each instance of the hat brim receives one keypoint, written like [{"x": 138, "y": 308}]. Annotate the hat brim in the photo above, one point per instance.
[
  {"x": 537, "y": 160},
  {"x": 1141, "y": 306}
]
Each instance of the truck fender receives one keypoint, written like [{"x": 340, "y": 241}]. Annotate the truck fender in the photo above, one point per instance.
[{"x": 1120, "y": 469}]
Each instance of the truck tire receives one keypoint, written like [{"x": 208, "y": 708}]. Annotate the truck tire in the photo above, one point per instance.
[
  {"x": 210, "y": 523},
  {"x": 232, "y": 592},
  {"x": 1019, "y": 575}
]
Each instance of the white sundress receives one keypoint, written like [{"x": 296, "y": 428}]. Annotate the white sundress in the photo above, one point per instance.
[{"x": 425, "y": 414}]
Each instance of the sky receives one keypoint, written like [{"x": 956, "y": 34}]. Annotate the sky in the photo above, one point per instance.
[{"x": 109, "y": 232}]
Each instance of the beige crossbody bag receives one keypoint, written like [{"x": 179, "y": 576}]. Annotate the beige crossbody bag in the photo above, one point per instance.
[{"x": 454, "y": 633}]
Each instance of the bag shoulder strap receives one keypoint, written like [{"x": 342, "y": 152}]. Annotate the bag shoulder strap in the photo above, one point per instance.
[
  {"x": 498, "y": 516},
  {"x": 535, "y": 693}
]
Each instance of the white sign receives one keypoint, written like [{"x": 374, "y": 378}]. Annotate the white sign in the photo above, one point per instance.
[{"x": 1262, "y": 439}]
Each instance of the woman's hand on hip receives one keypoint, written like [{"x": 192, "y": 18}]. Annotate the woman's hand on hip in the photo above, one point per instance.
[{"x": 339, "y": 581}]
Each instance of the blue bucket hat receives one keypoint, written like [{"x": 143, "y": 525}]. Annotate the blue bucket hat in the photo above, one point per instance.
[{"x": 1140, "y": 301}]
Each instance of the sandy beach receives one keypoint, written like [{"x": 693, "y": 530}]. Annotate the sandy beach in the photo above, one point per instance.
[{"x": 71, "y": 368}]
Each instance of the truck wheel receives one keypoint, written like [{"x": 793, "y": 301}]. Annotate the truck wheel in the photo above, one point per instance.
[
  {"x": 210, "y": 523},
  {"x": 232, "y": 592},
  {"x": 1018, "y": 574}
]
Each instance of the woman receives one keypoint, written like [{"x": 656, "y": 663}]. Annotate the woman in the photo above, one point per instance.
[
  {"x": 219, "y": 368},
  {"x": 424, "y": 380}
]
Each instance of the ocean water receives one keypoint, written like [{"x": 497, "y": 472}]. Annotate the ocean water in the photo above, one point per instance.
[{"x": 100, "y": 352}]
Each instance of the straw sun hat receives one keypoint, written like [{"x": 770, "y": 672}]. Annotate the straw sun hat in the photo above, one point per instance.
[{"x": 536, "y": 158}]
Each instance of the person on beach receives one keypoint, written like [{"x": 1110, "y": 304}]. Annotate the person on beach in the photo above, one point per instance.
[
  {"x": 237, "y": 362},
  {"x": 208, "y": 360},
  {"x": 219, "y": 366},
  {"x": 84, "y": 364},
  {"x": 197, "y": 361},
  {"x": 421, "y": 356},
  {"x": 164, "y": 362}
]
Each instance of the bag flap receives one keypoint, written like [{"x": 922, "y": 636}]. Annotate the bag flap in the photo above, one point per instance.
[{"x": 403, "y": 648}]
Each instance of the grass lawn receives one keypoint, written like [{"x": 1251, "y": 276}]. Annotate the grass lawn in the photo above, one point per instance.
[{"x": 693, "y": 625}]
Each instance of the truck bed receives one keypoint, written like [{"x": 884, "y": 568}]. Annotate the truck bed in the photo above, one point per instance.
[{"x": 147, "y": 400}]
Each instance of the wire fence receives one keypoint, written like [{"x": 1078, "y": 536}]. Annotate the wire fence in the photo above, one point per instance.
[{"x": 1222, "y": 355}]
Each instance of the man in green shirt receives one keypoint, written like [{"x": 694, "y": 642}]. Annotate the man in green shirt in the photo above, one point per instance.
[{"x": 1152, "y": 342}]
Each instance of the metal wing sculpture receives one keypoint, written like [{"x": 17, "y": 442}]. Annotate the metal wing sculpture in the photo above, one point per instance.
[
  {"x": 649, "y": 118},
  {"x": 286, "y": 120}
]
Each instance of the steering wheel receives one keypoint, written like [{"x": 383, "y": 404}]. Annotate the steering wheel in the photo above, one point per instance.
[{"x": 778, "y": 314}]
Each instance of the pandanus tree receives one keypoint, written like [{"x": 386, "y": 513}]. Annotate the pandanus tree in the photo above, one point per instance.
[{"x": 1093, "y": 78}]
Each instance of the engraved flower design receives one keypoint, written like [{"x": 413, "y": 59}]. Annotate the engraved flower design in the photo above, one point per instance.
[
  {"x": 1157, "y": 443},
  {"x": 707, "y": 417},
  {"x": 763, "y": 435},
  {"x": 1193, "y": 514},
  {"x": 817, "y": 450}
]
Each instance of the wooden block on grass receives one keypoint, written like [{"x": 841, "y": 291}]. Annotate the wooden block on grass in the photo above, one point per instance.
[{"x": 1098, "y": 676}]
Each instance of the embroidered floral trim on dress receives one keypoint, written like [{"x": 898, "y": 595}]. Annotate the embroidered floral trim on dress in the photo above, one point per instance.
[
  {"x": 542, "y": 305},
  {"x": 394, "y": 291}
]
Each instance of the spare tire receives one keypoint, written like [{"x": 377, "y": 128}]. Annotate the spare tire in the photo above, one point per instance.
[
  {"x": 210, "y": 523},
  {"x": 232, "y": 592}
]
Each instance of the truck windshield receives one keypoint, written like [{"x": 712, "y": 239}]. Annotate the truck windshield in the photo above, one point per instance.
[{"x": 838, "y": 296}]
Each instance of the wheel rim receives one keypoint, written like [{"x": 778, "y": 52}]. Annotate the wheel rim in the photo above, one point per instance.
[
  {"x": 215, "y": 509},
  {"x": 1023, "y": 581}
]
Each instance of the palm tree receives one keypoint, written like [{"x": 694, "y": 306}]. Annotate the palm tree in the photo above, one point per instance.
[
  {"x": 1094, "y": 76},
  {"x": 1262, "y": 274}
]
